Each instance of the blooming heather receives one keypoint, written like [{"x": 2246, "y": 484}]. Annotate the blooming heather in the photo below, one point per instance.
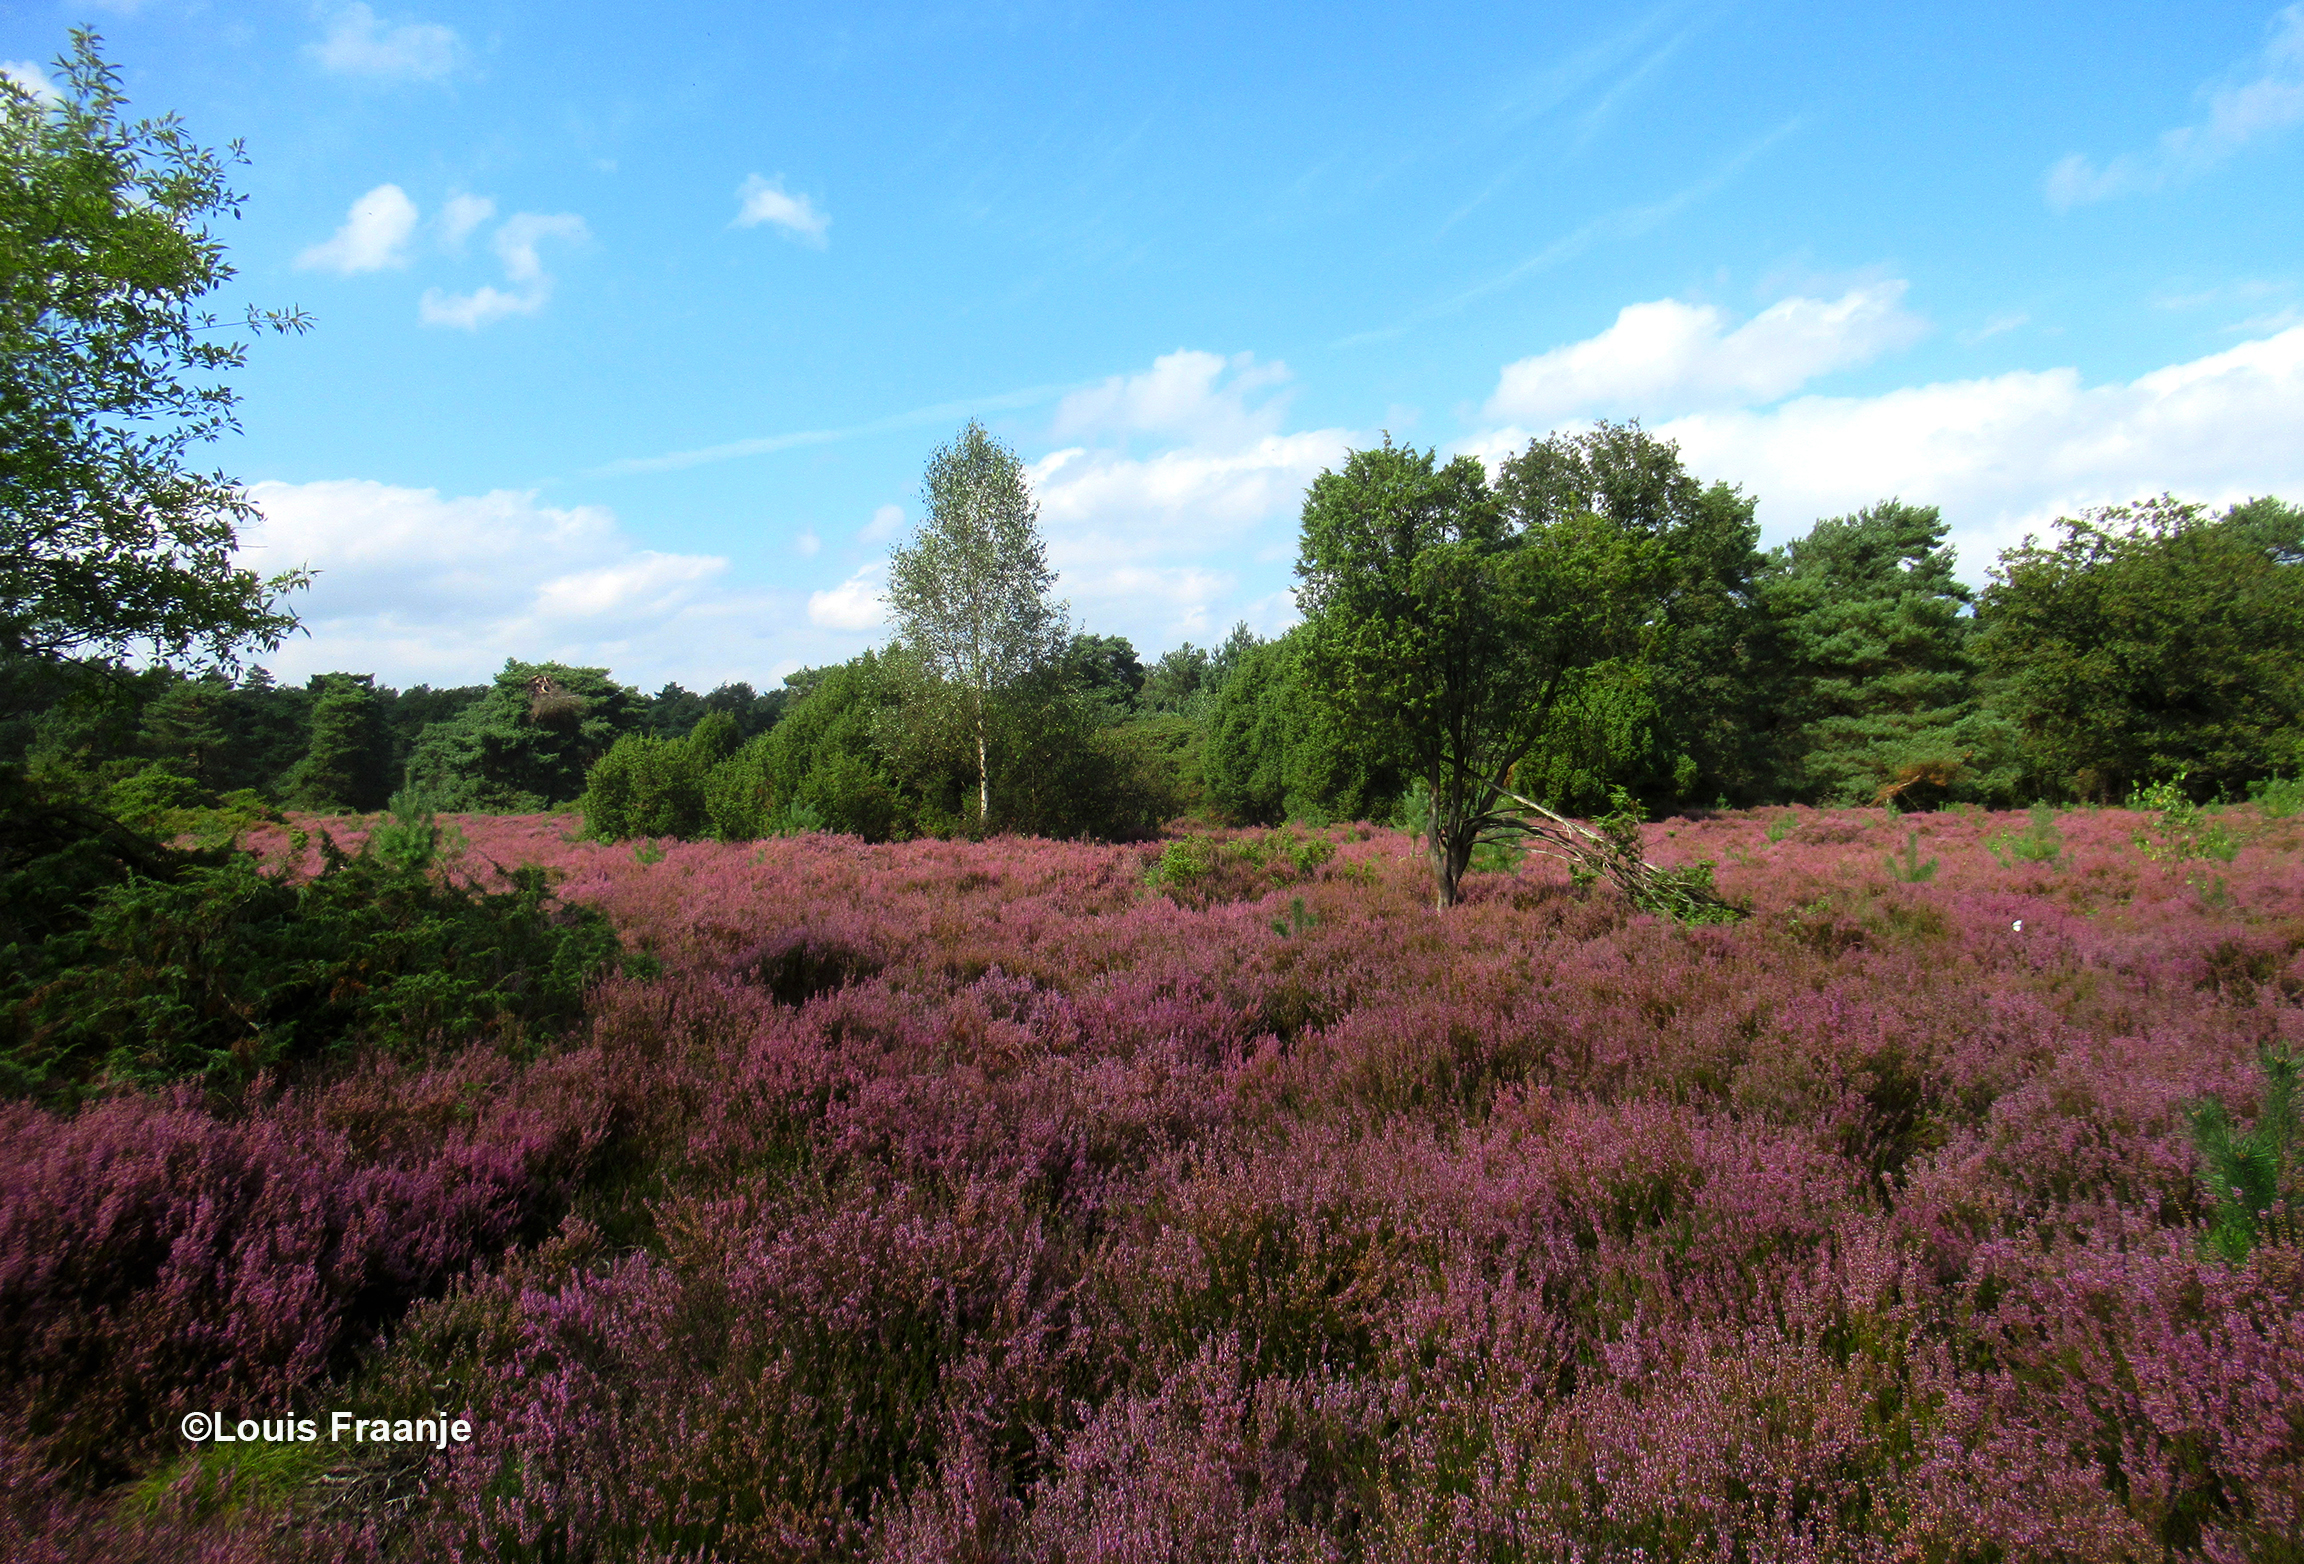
[{"x": 978, "y": 1201}]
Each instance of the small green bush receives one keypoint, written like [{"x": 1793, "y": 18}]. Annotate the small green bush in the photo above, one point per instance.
[
  {"x": 2250, "y": 1178},
  {"x": 2277, "y": 797}
]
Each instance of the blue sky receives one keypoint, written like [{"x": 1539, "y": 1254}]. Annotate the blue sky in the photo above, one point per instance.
[{"x": 637, "y": 328}]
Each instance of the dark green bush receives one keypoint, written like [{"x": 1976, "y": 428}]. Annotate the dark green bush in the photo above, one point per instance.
[{"x": 128, "y": 961}]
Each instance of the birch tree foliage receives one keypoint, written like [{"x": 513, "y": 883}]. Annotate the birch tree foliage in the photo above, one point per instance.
[{"x": 970, "y": 590}]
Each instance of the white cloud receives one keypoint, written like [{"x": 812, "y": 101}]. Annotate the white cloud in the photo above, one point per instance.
[
  {"x": 1667, "y": 355},
  {"x": 807, "y": 545},
  {"x": 1181, "y": 395},
  {"x": 358, "y": 43},
  {"x": 515, "y": 245},
  {"x": 33, "y": 78},
  {"x": 2006, "y": 454},
  {"x": 461, "y": 215},
  {"x": 886, "y": 522},
  {"x": 375, "y": 235},
  {"x": 855, "y": 604},
  {"x": 2265, "y": 97},
  {"x": 766, "y": 201},
  {"x": 414, "y": 585}
]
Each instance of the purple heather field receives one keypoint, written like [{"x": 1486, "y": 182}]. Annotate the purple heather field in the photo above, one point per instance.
[{"x": 952, "y": 1201}]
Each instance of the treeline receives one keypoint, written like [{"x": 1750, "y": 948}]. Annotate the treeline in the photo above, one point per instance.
[{"x": 2152, "y": 643}]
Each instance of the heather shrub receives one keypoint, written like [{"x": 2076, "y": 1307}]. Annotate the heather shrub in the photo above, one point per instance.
[{"x": 1020, "y": 1199}]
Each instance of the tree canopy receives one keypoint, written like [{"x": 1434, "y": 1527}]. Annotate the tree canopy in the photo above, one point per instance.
[
  {"x": 2151, "y": 639},
  {"x": 1440, "y": 629},
  {"x": 970, "y": 590},
  {"x": 110, "y": 542}
]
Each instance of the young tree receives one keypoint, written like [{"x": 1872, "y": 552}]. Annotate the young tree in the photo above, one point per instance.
[
  {"x": 109, "y": 542},
  {"x": 344, "y": 764},
  {"x": 1437, "y": 629},
  {"x": 970, "y": 591}
]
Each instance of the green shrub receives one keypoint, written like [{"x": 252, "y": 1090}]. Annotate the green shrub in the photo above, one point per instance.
[
  {"x": 2250, "y": 1178},
  {"x": 160, "y": 965},
  {"x": 2278, "y": 797}
]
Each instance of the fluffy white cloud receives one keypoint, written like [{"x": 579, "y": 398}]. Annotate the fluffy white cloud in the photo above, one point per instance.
[
  {"x": 1667, "y": 355},
  {"x": 2006, "y": 454},
  {"x": 857, "y": 603},
  {"x": 515, "y": 245},
  {"x": 415, "y": 585},
  {"x": 2266, "y": 96},
  {"x": 461, "y": 215},
  {"x": 375, "y": 235},
  {"x": 1185, "y": 394},
  {"x": 766, "y": 201},
  {"x": 358, "y": 43},
  {"x": 33, "y": 78},
  {"x": 886, "y": 522}
]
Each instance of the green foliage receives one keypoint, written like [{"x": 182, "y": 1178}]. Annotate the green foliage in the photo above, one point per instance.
[
  {"x": 1692, "y": 721},
  {"x": 345, "y": 764},
  {"x": 1440, "y": 629},
  {"x": 1782, "y": 827},
  {"x": 2154, "y": 637},
  {"x": 970, "y": 590},
  {"x": 2179, "y": 832},
  {"x": 1297, "y": 922},
  {"x": 1879, "y": 698},
  {"x": 2250, "y": 1178},
  {"x": 527, "y": 744},
  {"x": 2277, "y": 797},
  {"x": 1201, "y": 870},
  {"x": 1909, "y": 868},
  {"x": 2038, "y": 842},
  {"x": 109, "y": 540},
  {"x": 1275, "y": 751},
  {"x": 167, "y": 965}
]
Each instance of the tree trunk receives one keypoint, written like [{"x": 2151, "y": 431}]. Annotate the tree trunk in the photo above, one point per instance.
[
  {"x": 1450, "y": 855},
  {"x": 983, "y": 777}
]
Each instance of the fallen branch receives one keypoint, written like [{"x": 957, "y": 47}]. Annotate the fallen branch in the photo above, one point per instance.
[{"x": 1613, "y": 850}]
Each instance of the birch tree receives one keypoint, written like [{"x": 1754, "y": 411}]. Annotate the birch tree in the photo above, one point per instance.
[{"x": 970, "y": 590}]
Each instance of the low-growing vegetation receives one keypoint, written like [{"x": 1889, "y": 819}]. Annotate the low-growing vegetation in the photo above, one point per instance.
[{"x": 948, "y": 1200}]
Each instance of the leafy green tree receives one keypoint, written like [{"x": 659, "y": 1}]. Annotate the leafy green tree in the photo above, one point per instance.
[
  {"x": 1185, "y": 680},
  {"x": 1440, "y": 628},
  {"x": 2153, "y": 639},
  {"x": 970, "y": 590},
  {"x": 109, "y": 541},
  {"x": 1276, "y": 751},
  {"x": 344, "y": 766},
  {"x": 1106, "y": 670},
  {"x": 528, "y": 743},
  {"x": 1880, "y": 687},
  {"x": 1693, "y": 721}
]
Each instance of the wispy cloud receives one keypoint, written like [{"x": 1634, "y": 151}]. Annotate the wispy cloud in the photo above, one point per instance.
[
  {"x": 375, "y": 235},
  {"x": 2264, "y": 96},
  {"x": 461, "y": 215},
  {"x": 515, "y": 245},
  {"x": 761, "y": 201},
  {"x": 762, "y": 445},
  {"x": 359, "y": 43},
  {"x": 1629, "y": 222}
]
